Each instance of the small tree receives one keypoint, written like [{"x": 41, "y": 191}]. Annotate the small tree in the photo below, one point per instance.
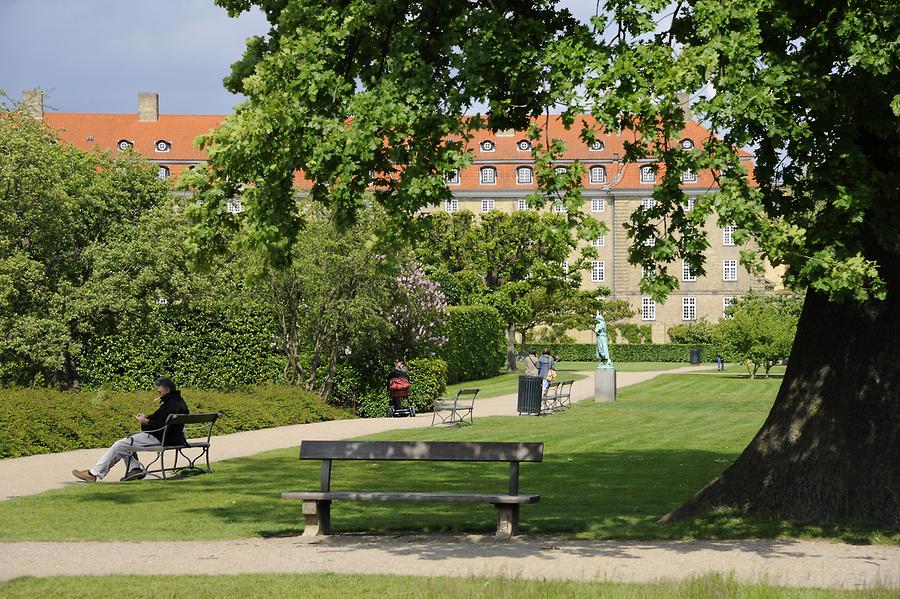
[{"x": 760, "y": 330}]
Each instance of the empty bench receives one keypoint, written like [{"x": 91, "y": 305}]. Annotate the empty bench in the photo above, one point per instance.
[
  {"x": 454, "y": 410},
  {"x": 317, "y": 504},
  {"x": 557, "y": 396},
  {"x": 197, "y": 431}
]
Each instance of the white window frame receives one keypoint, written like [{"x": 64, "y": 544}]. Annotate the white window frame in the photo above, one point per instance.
[
  {"x": 598, "y": 204},
  {"x": 522, "y": 204},
  {"x": 729, "y": 270},
  {"x": 598, "y": 174},
  {"x": 650, "y": 241},
  {"x": 524, "y": 142},
  {"x": 689, "y": 308},
  {"x": 524, "y": 170},
  {"x": 648, "y": 175},
  {"x": 559, "y": 207},
  {"x": 487, "y": 205},
  {"x": 453, "y": 177},
  {"x": 689, "y": 206},
  {"x": 451, "y": 205},
  {"x": 648, "y": 308},
  {"x": 560, "y": 170},
  {"x": 599, "y": 242},
  {"x": 483, "y": 179},
  {"x": 234, "y": 206},
  {"x": 598, "y": 271},
  {"x": 164, "y": 144},
  {"x": 727, "y": 302},
  {"x": 163, "y": 173},
  {"x": 597, "y": 145},
  {"x": 687, "y": 275},
  {"x": 728, "y": 235},
  {"x": 488, "y": 145},
  {"x": 647, "y": 203},
  {"x": 688, "y": 177},
  {"x": 565, "y": 267}
]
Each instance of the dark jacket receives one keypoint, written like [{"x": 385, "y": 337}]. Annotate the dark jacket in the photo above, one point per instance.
[{"x": 170, "y": 403}]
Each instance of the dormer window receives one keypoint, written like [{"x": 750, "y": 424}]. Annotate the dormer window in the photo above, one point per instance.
[
  {"x": 648, "y": 174},
  {"x": 523, "y": 175},
  {"x": 162, "y": 145},
  {"x": 523, "y": 145},
  {"x": 597, "y": 145},
  {"x": 488, "y": 175},
  {"x": 560, "y": 170},
  {"x": 124, "y": 145},
  {"x": 598, "y": 174},
  {"x": 163, "y": 172},
  {"x": 688, "y": 177},
  {"x": 452, "y": 177},
  {"x": 687, "y": 144},
  {"x": 488, "y": 146}
]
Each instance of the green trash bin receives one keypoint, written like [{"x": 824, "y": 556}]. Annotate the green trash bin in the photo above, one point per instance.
[{"x": 530, "y": 390}]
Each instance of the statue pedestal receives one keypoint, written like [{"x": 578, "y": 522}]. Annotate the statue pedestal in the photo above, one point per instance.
[{"x": 604, "y": 384}]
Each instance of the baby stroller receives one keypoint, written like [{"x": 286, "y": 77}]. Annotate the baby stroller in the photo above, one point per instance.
[{"x": 398, "y": 390}]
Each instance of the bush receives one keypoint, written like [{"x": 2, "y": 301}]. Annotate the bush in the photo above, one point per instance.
[
  {"x": 693, "y": 333},
  {"x": 632, "y": 333},
  {"x": 34, "y": 421},
  {"x": 627, "y": 352},
  {"x": 476, "y": 343},
  {"x": 428, "y": 380}
]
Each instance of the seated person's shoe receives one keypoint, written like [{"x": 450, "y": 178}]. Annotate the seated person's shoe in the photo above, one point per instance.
[
  {"x": 133, "y": 474},
  {"x": 85, "y": 475}
]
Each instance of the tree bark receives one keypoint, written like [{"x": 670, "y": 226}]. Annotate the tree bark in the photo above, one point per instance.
[
  {"x": 829, "y": 450},
  {"x": 511, "y": 347}
]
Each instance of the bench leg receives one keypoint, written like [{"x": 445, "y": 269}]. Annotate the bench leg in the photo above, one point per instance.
[
  {"x": 316, "y": 518},
  {"x": 507, "y": 520}
]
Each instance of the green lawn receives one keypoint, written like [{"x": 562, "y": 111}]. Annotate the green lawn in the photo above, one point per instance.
[
  {"x": 609, "y": 472},
  {"x": 339, "y": 586},
  {"x": 623, "y": 366}
]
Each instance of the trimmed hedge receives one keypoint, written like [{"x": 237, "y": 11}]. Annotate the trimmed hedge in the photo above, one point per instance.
[
  {"x": 623, "y": 352},
  {"x": 35, "y": 421},
  {"x": 476, "y": 343},
  {"x": 428, "y": 380}
]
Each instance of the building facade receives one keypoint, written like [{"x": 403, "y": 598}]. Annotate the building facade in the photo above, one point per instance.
[{"x": 500, "y": 177}]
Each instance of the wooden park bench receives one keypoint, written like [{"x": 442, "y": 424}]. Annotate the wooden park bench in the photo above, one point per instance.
[
  {"x": 454, "y": 410},
  {"x": 197, "y": 431},
  {"x": 557, "y": 396},
  {"x": 317, "y": 504}
]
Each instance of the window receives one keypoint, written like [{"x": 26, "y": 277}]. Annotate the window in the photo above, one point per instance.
[
  {"x": 689, "y": 308},
  {"x": 487, "y": 205},
  {"x": 650, "y": 241},
  {"x": 523, "y": 205},
  {"x": 647, "y": 203},
  {"x": 599, "y": 242},
  {"x": 560, "y": 170},
  {"x": 523, "y": 175},
  {"x": 162, "y": 145},
  {"x": 452, "y": 177},
  {"x": 488, "y": 146},
  {"x": 688, "y": 177},
  {"x": 686, "y": 144},
  {"x": 729, "y": 270},
  {"x": 648, "y": 174},
  {"x": 488, "y": 175},
  {"x": 163, "y": 172},
  {"x": 728, "y": 235},
  {"x": 451, "y": 205},
  {"x": 687, "y": 275},
  {"x": 727, "y": 302},
  {"x": 523, "y": 145},
  {"x": 598, "y": 204},
  {"x": 689, "y": 205},
  {"x": 124, "y": 144},
  {"x": 598, "y": 271},
  {"x": 234, "y": 206},
  {"x": 597, "y": 145},
  {"x": 598, "y": 174},
  {"x": 648, "y": 308},
  {"x": 565, "y": 267},
  {"x": 559, "y": 207}
]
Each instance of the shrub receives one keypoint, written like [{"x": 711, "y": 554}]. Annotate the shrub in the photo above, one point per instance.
[
  {"x": 476, "y": 343},
  {"x": 693, "y": 333},
  {"x": 633, "y": 333},
  {"x": 34, "y": 421},
  {"x": 627, "y": 352},
  {"x": 428, "y": 378}
]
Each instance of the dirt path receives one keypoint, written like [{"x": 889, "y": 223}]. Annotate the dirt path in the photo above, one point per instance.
[
  {"x": 783, "y": 563},
  {"x": 35, "y": 474}
]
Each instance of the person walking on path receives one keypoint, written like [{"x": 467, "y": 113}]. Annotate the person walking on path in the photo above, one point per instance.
[
  {"x": 398, "y": 384},
  {"x": 545, "y": 367},
  {"x": 531, "y": 363},
  {"x": 170, "y": 402},
  {"x": 720, "y": 363}
]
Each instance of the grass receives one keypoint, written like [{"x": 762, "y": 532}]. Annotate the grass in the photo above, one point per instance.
[
  {"x": 609, "y": 472},
  {"x": 338, "y": 586},
  {"x": 623, "y": 366}
]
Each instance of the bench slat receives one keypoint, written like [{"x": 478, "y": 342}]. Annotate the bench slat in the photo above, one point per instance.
[
  {"x": 422, "y": 450},
  {"x": 412, "y": 497}
]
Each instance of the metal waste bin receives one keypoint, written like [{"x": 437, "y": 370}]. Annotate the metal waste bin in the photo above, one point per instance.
[
  {"x": 530, "y": 390},
  {"x": 695, "y": 356}
]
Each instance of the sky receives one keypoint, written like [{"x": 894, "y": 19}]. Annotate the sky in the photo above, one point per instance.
[{"x": 97, "y": 55}]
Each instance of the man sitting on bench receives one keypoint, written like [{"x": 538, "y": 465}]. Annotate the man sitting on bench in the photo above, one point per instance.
[{"x": 170, "y": 402}]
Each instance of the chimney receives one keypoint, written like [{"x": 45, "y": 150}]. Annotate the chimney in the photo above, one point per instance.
[
  {"x": 148, "y": 107},
  {"x": 33, "y": 103}
]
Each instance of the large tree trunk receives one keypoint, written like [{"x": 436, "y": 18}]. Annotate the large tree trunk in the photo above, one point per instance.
[
  {"x": 511, "y": 347},
  {"x": 830, "y": 448}
]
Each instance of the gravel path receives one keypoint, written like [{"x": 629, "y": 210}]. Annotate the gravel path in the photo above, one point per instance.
[{"x": 789, "y": 563}]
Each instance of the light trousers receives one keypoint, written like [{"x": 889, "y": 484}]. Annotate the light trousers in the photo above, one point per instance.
[{"x": 119, "y": 451}]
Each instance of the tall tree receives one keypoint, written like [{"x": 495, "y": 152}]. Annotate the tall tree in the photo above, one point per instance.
[{"x": 365, "y": 93}]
